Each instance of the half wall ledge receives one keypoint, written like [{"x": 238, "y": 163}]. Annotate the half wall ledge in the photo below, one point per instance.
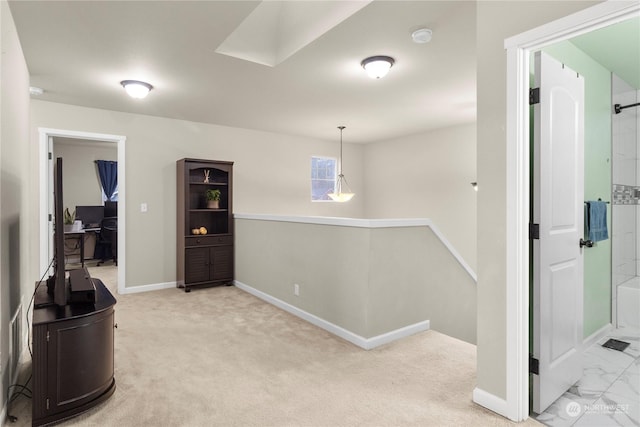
[
  {"x": 367, "y": 277},
  {"x": 367, "y": 223}
]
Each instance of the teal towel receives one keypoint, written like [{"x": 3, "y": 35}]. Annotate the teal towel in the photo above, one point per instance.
[{"x": 597, "y": 221}]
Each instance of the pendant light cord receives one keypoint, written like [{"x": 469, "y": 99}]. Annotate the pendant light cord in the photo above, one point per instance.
[{"x": 341, "y": 129}]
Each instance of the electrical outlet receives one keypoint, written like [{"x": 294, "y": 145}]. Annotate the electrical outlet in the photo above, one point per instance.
[
  {"x": 143, "y": 207},
  {"x": 296, "y": 289}
]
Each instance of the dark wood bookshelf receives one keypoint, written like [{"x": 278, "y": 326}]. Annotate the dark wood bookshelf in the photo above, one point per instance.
[{"x": 204, "y": 259}]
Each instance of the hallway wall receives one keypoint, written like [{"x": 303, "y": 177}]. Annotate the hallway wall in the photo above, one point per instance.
[
  {"x": 427, "y": 175},
  {"x": 271, "y": 175},
  {"x": 17, "y": 272}
]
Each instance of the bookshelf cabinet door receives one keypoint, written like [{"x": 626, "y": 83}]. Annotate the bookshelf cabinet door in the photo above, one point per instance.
[
  {"x": 196, "y": 265},
  {"x": 222, "y": 262}
]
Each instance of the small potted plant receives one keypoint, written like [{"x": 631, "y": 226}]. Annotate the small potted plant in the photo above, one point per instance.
[
  {"x": 213, "y": 198},
  {"x": 69, "y": 219}
]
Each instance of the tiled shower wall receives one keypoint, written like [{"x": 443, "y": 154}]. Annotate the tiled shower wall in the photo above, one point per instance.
[{"x": 625, "y": 195}]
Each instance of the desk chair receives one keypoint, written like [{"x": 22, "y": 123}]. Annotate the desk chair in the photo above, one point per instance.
[{"x": 107, "y": 244}]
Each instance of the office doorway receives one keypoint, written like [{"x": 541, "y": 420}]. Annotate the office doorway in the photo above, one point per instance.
[{"x": 66, "y": 140}]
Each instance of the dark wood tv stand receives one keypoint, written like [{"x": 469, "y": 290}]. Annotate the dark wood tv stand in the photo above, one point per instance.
[{"x": 72, "y": 355}]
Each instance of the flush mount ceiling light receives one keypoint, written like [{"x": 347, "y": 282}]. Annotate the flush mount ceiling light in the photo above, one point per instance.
[
  {"x": 377, "y": 66},
  {"x": 136, "y": 89},
  {"x": 342, "y": 192}
]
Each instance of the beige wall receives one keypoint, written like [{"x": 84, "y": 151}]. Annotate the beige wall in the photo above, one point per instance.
[
  {"x": 427, "y": 176},
  {"x": 17, "y": 273},
  {"x": 271, "y": 175},
  {"x": 81, "y": 180},
  {"x": 496, "y": 21},
  {"x": 413, "y": 274},
  {"x": 369, "y": 281},
  {"x": 329, "y": 263}
]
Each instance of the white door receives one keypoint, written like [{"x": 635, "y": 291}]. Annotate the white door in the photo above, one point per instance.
[{"x": 558, "y": 208}]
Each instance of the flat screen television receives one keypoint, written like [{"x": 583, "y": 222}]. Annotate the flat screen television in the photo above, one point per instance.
[{"x": 57, "y": 286}]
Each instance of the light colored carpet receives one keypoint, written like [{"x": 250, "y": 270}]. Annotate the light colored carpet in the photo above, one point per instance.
[{"x": 221, "y": 357}]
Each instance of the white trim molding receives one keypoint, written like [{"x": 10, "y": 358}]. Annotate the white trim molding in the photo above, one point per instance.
[
  {"x": 489, "y": 401},
  {"x": 43, "y": 137},
  {"x": 146, "y": 288},
  {"x": 597, "y": 336},
  {"x": 366, "y": 223},
  {"x": 365, "y": 343},
  {"x": 518, "y": 50}
]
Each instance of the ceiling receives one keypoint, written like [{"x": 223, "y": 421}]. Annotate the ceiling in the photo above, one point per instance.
[
  {"x": 206, "y": 61},
  {"x": 617, "y": 48},
  {"x": 79, "y": 51}
]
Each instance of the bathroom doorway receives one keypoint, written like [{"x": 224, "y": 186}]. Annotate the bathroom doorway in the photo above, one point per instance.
[
  {"x": 604, "y": 167},
  {"x": 518, "y": 49}
]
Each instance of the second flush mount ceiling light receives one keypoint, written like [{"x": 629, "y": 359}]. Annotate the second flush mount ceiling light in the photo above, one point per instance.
[
  {"x": 136, "y": 88},
  {"x": 377, "y": 66}
]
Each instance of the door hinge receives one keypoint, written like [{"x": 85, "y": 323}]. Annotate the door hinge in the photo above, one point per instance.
[
  {"x": 534, "y": 365},
  {"x": 50, "y": 217},
  {"x": 47, "y": 404},
  {"x": 50, "y": 156},
  {"x": 534, "y": 231},
  {"x": 534, "y": 96}
]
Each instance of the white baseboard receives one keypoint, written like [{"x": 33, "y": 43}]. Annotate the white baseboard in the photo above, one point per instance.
[
  {"x": 490, "y": 401},
  {"x": 397, "y": 334},
  {"x": 597, "y": 336},
  {"x": 147, "y": 288},
  {"x": 365, "y": 343}
]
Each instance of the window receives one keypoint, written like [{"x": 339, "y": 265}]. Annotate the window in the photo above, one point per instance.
[
  {"x": 323, "y": 177},
  {"x": 114, "y": 198}
]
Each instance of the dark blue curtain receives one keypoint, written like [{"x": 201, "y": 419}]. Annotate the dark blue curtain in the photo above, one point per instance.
[{"x": 108, "y": 171}]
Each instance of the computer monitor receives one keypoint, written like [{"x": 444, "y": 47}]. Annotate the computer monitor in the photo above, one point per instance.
[
  {"x": 110, "y": 209},
  {"x": 91, "y": 216}
]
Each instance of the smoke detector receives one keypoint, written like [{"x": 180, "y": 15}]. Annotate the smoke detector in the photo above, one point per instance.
[{"x": 422, "y": 35}]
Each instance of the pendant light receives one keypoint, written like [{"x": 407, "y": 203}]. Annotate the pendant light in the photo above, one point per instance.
[{"x": 342, "y": 192}]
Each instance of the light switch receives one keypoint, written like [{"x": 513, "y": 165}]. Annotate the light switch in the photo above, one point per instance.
[{"x": 143, "y": 207}]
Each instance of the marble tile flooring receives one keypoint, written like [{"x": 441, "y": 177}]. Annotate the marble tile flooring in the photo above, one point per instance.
[{"x": 608, "y": 393}]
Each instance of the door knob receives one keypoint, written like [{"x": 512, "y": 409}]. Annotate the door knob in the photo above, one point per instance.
[{"x": 587, "y": 243}]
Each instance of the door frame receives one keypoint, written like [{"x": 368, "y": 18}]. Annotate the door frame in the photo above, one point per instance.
[
  {"x": 43, "y": 143},
  {"x": 518, "y": 49}
]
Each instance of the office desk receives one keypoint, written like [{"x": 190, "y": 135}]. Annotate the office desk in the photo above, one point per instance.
[
  {"x": 80, "y": 236},
  {"x": 77, "y": 235}
]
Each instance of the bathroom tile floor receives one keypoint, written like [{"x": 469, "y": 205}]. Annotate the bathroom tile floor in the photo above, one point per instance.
[{"x": 608, "y": 393}]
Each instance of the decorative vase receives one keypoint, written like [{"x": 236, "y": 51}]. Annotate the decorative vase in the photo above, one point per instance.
[{"x": 213, "y": 204}]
